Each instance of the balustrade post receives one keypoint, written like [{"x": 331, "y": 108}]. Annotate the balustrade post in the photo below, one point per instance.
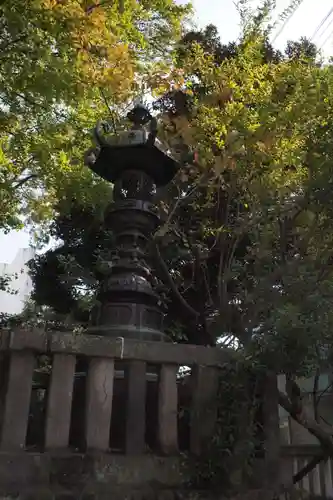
[
  {"x": 271, "y": 421},
  {"x": 168, "y": 409},
  {"x": 99, "y": 403},
  {"x": 59, "y": 402},
  {"x": 203, "y": 408},
  {"x": 136, "y": 407},
  {"x": 17, "y": 400}
]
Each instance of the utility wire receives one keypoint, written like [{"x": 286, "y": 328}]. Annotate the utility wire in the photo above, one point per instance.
[
  {"x": 323, "y": 21},
  {"x": 326, "y": 40},
  {"x": 287, "y": 21},
  {"x": 326, "y": 28}
]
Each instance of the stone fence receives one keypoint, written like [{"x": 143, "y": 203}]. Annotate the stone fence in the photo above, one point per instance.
[
  {"x": 112, "y": 368},
  {"x": 318, "y": 484}
]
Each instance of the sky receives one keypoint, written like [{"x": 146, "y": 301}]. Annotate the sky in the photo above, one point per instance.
[{"x": 223, "y": 14}]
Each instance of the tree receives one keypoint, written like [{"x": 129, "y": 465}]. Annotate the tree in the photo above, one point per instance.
[
  {"x": 62, "y": 65},
  {"x": 303, "y": 49},
  {"x": 248, "y": 226},
  {"x": 255, "y": 221}
]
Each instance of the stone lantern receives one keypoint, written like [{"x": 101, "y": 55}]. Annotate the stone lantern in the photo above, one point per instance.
[{"x": 135, "y": 162}]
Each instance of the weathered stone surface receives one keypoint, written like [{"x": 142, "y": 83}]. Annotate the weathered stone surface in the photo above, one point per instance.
[
  {"x": 41, "y": 476},
  {"x": 23, "y": 471},
  {"x": 17, "y": 401},
  {"x": 41, "y": 494},
  {"x": 203, "y": 407},
  {"x": 168, "y": 409},
  {"x": 153, "y": 352},
  {"x": 115, "y": 495},
  {"x": 99, "y": 403},
  {"x": 136, "y": 381},
  {"x": 25, "y": 339},
  {"x": 59, "y": 403},
  {"x": 71, "y": 469},
  {"x": 99, "y": 346},
  {"x": 65, "y": 496},
  {"x": 19, "y": 470},
  {"x": 166, "y": 495}
]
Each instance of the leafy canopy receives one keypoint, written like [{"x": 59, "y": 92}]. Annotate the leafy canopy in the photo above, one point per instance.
[
  {"x": 255, "y": 218},
  {"x": 250, "y": 221},
  {"x": 61, "y": 62},
  {"x": 245, "y": 251}
]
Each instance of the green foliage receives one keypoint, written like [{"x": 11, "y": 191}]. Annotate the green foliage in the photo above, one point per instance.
[
  {"x": 303, "y": 49},
  {"x": 249, "y": 243},
  {"x": 252, "y": 230},
  {"x": 225, "y": 463},
  {"x": 6, "y": 281},
  {"x": 255, "y": 223},
  {"x": 61, "y": 62},
  {"x": 248, "y": 221}
]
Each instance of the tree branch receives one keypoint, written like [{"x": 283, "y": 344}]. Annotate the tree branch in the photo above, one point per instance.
[
  {"x": 314, "y": 395},
  {"x": 23, "y": 181},
  {"x": 309, "y": 467},
  {"x": 324, "y": 391},
  {"x": 299, "y": 414},
  {"x": 169, "y": 281},
  {"x": 302, "y": 418},
  {"x": 32, "y": 102},
  {"x": 101, "y": 91},
  {"x": 300, "y": 475},
  {"x": 102, "y": 4},
  {"x": 21, "y": 37}
]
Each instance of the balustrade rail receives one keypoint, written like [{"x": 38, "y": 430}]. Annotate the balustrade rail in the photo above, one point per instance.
[
  {"x": 21, "y": 349},
  {"x": 316, "y": 484}
]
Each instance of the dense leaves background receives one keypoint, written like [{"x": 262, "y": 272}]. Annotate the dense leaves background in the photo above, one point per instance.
[
  {"x": 244, "y": 253},
  {"x": 63, "y": 64}
]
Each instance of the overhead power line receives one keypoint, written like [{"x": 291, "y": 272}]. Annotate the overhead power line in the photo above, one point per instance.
[
  {"x": 322, "y": 22},
  {"x": 326, "y": 39},
  {"x": 325, "y": 29},
  {"x": 292, "y": 10}
]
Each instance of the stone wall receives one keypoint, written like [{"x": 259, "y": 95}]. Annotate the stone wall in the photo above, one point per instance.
[
  {"x": 72, "y": 476},
  {"x": 29, "y": 476},
  {"x": 120, "y": 494}
]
